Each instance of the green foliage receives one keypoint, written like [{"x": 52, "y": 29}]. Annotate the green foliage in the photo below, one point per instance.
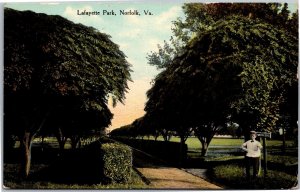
[
  {"x": 164, "y": 56},
  {"x": 265, "y": 73},
  {"x": 66, "y": 59},
  {"x": 199, "y": 17},
  {"x": 244, "y": 47},
  {"x": 126, "y": 130},
  {"x": 238, "y": 65},
  {"x": 117, "y": 159}
]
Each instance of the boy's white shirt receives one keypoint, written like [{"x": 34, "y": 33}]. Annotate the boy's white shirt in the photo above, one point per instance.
[{"x": 253, "y": 148}]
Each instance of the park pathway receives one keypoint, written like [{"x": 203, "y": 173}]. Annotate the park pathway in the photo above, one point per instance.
[{"x": 161, "y": 176}]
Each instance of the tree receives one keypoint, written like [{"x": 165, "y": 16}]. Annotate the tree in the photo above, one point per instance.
[
  {"x": 238, "y": 65},
  {"x": 126, "y": 130},
  {"x": 71, "y": 121},
  {"x": 47, "y": 58},
  {"x": 232, "y": 129},
  {"x": 265, "y": 68},
  {"x": 165, "y": 107},
  {"x": 200, "y": 17}
]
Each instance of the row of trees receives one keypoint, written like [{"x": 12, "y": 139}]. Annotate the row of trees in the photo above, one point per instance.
[
  {"x": 226, "y": 63},
  {"x": 58, "y": 77}
]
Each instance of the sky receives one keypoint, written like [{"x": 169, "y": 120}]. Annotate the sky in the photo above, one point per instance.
[{"x": 137, "y": 35}]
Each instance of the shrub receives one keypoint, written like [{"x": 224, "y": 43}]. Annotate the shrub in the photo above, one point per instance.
[{"x": 117, "y": 162}]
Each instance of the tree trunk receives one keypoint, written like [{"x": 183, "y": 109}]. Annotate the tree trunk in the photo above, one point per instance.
[
  {"x": 165, "y": 137},
  {"x": 61, "y": 140},
  {"x": 25, "y": 145},
  {"x": 165, "y": 134},
  {"x": 205, "y": 141},
  {"x": 205, "y": 135},
  {"x": 42, "y": 142},
  {"x": 74, "y": 141},
  {"x": 204, "y": 147}
]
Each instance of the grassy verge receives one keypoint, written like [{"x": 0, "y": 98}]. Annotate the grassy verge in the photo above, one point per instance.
[
  {"x": 12, "y": 181},
  {"x": 233, "y": 177},
  {"x": 229, "y": 171}
]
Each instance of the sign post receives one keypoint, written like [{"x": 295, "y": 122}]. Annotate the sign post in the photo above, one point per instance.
[
  {"x": 282, "y": 132},
  {"x": 264, "y": 135}
]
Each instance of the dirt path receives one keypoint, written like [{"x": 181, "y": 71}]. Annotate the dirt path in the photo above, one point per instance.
[
  {"x": 162, "y": 176},
  {"x": 173, "y": 178}
]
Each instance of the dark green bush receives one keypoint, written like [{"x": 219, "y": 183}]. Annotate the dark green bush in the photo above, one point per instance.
[
  {"x": 117, "y": 162},
  {"x": 107, "y": 161}
]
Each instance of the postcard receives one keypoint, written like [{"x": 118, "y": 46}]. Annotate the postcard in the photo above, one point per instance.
[{"x": 181, "y": 95}]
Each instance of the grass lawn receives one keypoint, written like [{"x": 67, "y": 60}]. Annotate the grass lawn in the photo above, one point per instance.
[
  {"x": 233, "y": 177},
  {"x": 193, "y": 143}
]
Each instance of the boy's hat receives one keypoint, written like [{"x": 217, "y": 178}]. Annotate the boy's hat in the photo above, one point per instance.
[{"x": 252, "y": 132}]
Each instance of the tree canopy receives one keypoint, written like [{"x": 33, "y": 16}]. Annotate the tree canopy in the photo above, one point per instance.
[
  {"x": 54, "y": 56},
  {"x": 199, "y": 17},
  {"x": 50, "y": 64},
  {"x": 236, "y": 64}
]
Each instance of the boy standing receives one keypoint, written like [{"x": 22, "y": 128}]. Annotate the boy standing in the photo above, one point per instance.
[{"x": 253, "y": 149}]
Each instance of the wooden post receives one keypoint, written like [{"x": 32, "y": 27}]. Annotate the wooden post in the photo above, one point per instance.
[
  {"x": 265, "y": 156},
  {"x": 264, "y": 135},
  {"x": 283, "y": 141}
]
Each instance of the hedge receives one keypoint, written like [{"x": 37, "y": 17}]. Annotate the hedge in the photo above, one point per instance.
[
  {"x": 117, "y": 163},
  {"x": 173, "y": 152},
  {"x": 106, "y": 161}
]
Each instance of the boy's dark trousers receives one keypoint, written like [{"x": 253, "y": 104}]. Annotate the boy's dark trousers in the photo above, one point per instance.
[{"x": 252, "y": 162}]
